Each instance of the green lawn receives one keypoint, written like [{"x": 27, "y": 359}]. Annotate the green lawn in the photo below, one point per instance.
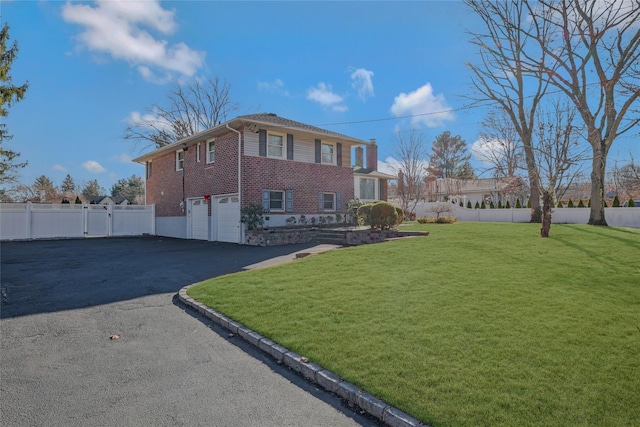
[{"x": 476, "y": 324}]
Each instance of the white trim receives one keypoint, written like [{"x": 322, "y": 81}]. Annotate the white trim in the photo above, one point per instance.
[
  {"x": 284, "y": 201},
  {"x": 198, "y": 152},
  {"x": 283, "y": 155},
  {"x": 324, "y": 209},
  {"x": 209, "y": 141},
  {"x": 178, "y": 168},
  {"x": 334, "y": 153}
]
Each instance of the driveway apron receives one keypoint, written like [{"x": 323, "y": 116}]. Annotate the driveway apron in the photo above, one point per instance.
[{"x": 91, "y": 335}]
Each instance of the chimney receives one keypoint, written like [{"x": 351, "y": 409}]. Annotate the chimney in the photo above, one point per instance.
[
  {"x": 359, "y": 156},
  {"x": 372, "y": 155}
]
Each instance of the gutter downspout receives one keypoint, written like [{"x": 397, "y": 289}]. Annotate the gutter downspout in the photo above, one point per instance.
[{"x": 241, "y": 228}]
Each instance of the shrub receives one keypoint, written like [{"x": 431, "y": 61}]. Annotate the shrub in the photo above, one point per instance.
[
  {"x": 559, "y": 205},
  {"x": 410, "y": 216},
  {"x": 338, "y": 218},
  {"x": 363, "y": 214},
  {"x": 65, "y": 201},
  {"x": 589, "y": 203},
  {"x": 518, "y": 204},
  {"x": 322, "y": 220},
  {"x": 529, "y": 203},
  {"x": 477, "y": 206},
  {"x": 507, "y": 205},
  {"x": 616, "y": 202},
  {"x": 461, "y": 204},
  {"x": 291, "y": 221},
  {"x": 399, "y": 215},
  {"x": 491, "y": 205},
  {"x": 313, "y": 221},
  {"x": 252, "y": 216},
  {"x": 439, "y": 220},
  {"x": 483, "y": 205},
  {"x": 330, "y": 219},
  {"x": 383, "y": 215},
  {"x": 352, "y": 211},
  {"x": 580, "y": 203},
  {"x": 570, "y": 204},
  {"x": 469, "y": 204},
  {"x": 499, "y": 204},
  {"x": 78, "y": 201},
  {"x": 303, "y": 219},
  {"x": 630, "y": 203}
]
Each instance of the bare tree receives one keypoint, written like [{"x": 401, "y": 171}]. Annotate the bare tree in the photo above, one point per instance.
[
  {"x": 627, "y": 179},
  {"x": 501, "y": 76},
  {"x": 411, "y": 169},
  {"x": 441, "y": 208},
  {"x": 499, "y": 146},
  {"x": 192, "y": 108},
  {"x": 559, "y": 152},
  {"x": 590, "y": 51}
]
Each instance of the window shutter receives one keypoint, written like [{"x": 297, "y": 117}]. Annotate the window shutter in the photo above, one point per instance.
[
  {"x": 339, "y": 154},
  {"x": 338, "y": 201},
  {"x": 321, "y": 201},
  {"x": 289, "y": 200},
  {"x": 289, "y": 146},
  {"x": 265, "y": 200},
  {"x": 262, "y": 143},
  {"x": 318, "y": 151}
]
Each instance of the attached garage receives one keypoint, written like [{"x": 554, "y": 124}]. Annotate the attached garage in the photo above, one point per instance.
[
  {"x": 199, "y": 219},
  {"x": 228, "y": 219}
]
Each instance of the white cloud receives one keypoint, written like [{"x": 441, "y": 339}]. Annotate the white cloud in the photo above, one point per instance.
[
  {"x": 124, "y": 158},
  {"x": 93, "y": 166},
  {"x": 149, "y": 120},
  {"x": 391, "y": 165},
  {"x": 323, "y": 94},
  {"x": 59, "y": 168},
  {"x": 362, "y": 81},
  {"x": 425, "y": 107},
  {"x": 273, "y": 86},
  {"x": 116, "y": 28}
]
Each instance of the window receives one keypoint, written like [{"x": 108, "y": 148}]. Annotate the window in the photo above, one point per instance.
[
  {"x": 275, "y": 145},
  {"x": 149, "y": 169},
  {"x": 327, "y": 153},
  {"x": 179, "y": 160},
  {"x": 198, "y": 152},
  {"x": 367, "y": 189},
  {"x": 276, "y": 201},
  {"x": 329, "y": 201},
  {"x": 211, "y": 151}
]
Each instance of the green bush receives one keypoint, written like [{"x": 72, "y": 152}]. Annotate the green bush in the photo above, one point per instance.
[
  {"x": 616, "y": 202},
  {"x": 491, "y": 205},
  {"x": 483, "y": 205},
  {"x": 469, "y": 204},
  {"x": 630, "y": 203},
  {"x": 352, "y": 211},
  {"x": 570, "y": 204},
  {"x": 559, "y": 205},
  {"x": 580, "y": 203},
  {"x": 507, "y": 205},
  {"x": 439, "y": 220},
  {"x": 529, "y": 203},
  {"x": 252, "y": 216},
  {"x": 399, "y": 215},
  {"x": 589, "y": 203},
  {"x": 383, "y": 215},
  {"x": 363, "y": 214},
  {"x": 477, "y": 206},
  {"x": 518, "y": 204},
  {"x": 499, "y": 204}
]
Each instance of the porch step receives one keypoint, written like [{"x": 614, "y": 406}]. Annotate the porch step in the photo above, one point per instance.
[{"x": 332, "y": 237}]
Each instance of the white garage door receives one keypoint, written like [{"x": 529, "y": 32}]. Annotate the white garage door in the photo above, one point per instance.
[
  {"x": 199, "y": 219},
  {"x": 228, "y": 219}
]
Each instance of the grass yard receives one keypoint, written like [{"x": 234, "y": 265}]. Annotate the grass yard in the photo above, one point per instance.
[{"x": 476, "y": 324}]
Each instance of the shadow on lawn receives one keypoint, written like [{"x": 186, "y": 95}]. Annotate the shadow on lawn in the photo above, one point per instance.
[{"x": 623, "y": 235}]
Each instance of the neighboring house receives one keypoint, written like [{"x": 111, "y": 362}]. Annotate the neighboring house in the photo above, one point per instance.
[
  {"x": 369, "y": 184},
  {"x": 106, "y": 200},
  {"x": 200, "y": 183},
  {"x": 473, "y": 190}
]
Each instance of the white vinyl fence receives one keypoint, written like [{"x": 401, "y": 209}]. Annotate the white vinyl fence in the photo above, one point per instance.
[
  {"x": 617, "y": 217},
  {"x": 23, "y": 221}
]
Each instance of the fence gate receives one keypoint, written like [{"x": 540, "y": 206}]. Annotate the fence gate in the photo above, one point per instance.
[{"x": 20, "y": 221}]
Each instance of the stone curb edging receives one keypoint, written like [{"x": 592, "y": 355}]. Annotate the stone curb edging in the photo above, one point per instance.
[{"x": 309, "y": 370}]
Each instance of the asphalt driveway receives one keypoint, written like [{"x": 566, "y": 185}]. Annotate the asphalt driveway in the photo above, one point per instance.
[{"x": 63, "y": 300}]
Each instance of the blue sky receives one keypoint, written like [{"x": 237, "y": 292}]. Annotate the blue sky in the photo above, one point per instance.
[{"x": 92, "y": 66}]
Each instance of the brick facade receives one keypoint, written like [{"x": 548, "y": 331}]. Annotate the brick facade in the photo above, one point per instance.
[{"x": 167, "y": 187}]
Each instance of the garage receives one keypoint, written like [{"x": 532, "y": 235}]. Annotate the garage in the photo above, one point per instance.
[
  {"x": 228, "y": 219},
  {"x": 199, "y": 219}
]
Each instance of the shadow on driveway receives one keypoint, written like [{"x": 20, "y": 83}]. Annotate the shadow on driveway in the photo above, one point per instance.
[{"x": 54, "y": 275}]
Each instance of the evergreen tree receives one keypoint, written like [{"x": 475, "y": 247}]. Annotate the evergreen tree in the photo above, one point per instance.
[
  {"x": 580, "y": 203},
  {"x": 499, "y": 204},
  {"x": 469, "y": 204},
  {"x": 529, "y": 203},
  {"x": 631, "y": 203},
  {"x": 449, "y": 158},
  {"x": 507, "y": 205},
  {"x": 483, "y": 205},
  {"x": 93, "y": 189},
  {"x": 559, "y": 205},
  {"x": 616, "y": 202},
  {"x": 78, "y": 201},
  {"x": 518, "y": 203},
  {"x": 477, "y": 206},
  {"x": 570, "y": 203},
  {"x": 44, "y": 189},
  {"x": 131, "y": 189},
  {"x": 9, "y": 95},
  {"x": 68, "y": 185},
  {"x": 491, "y": 205}
]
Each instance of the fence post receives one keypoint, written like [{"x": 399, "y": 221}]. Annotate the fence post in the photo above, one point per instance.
[
  {"x": 85, "y": 219},
  {"x": 110, "y": 219},
  {"x": 29, "y": 221}
]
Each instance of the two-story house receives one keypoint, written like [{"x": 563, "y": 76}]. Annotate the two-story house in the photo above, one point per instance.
[{"x": 200, "y": 183}]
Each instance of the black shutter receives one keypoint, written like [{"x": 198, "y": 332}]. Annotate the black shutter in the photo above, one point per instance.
[
  {"x": 338, "y": 201},
  {"x": 262, "y": 143},
  {"x": 318, "y": 151},
  {"x": 289, "y": 146},
  {"x": 321, "y": 202},
  {"x": 339, "y": 154}
]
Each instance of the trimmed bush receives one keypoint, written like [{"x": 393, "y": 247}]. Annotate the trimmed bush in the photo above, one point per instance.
[
  {"x": 440, "y": 220},
  {"x": 469, "y": 204},
  {"x": 477, "y": 206},
  {"x": 631, "y": 203},
  {"x": 518, "y": 204},
  {"x": 616, "y": 202},
  {"x": 483, "y": 205},
  {"x": 529, "y": 203},
  {"x": 580, "y": 203},
  {"x": 399, "y": 215},
  {"x": 491, "y": 205},
  {"x": 507, "y": 205},
  {"x": 499, "y": 204},
  {"x": 570, "y": 204},
  {"x": 364, "y": 214},
  {"x": 559, "y": 205},
  {"x": 383, "y": 215}
]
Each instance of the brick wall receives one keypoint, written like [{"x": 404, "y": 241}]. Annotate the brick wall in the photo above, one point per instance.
[{"x": 165, "y": 188}]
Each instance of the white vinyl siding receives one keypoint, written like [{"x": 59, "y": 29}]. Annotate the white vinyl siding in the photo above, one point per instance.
[
  {"x": 328, "y": 153},
  {"x": 303, "y": 148}
]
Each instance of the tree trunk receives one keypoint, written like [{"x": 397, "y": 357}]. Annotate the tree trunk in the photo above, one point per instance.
[
  {"x": 534, "y": 185},
  {"x": 596, "y": 216},
  {"x": 546, "y": 214}
]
